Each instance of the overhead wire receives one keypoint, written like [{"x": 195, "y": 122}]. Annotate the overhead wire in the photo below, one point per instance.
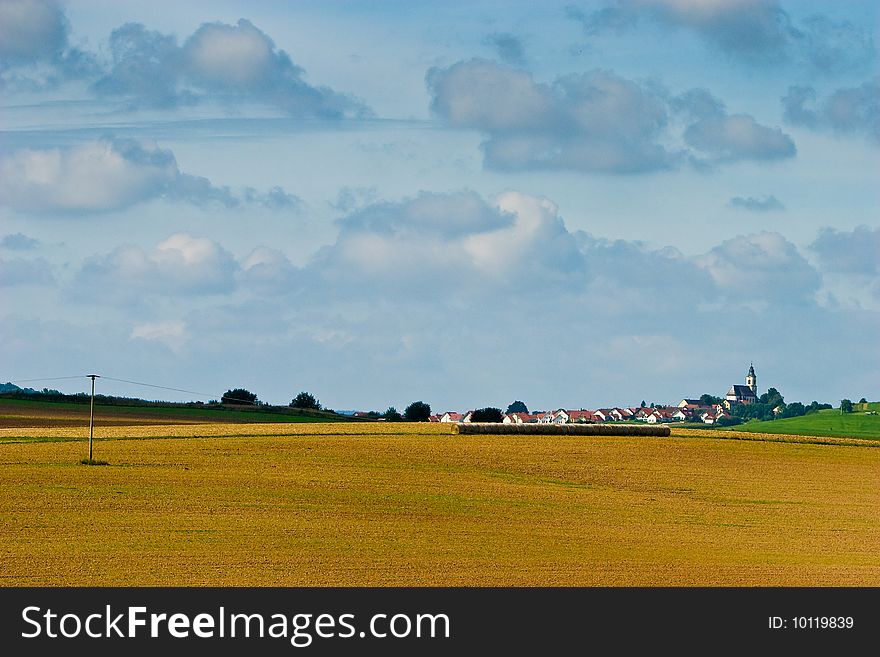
[{"x": 136, "y": 383}]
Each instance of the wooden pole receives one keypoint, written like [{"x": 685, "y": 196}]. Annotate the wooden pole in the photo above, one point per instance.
[{"x": 92, "y": 415}]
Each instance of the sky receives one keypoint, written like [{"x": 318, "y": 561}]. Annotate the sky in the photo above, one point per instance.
[{"x": 573, "y": 204}]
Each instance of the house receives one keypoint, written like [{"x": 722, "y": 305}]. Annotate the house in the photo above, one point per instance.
[
  {"x": 603, "y": 415},
  {"x": 659, "y": 415},
  {"x": 433, "y": 418},
  {"x": 451, "y": 417},
  {"x": 711, "y": 417},
  {"x": 519, "y": 418},
  {"x": 581, "y": 417},
  {"x": 560, "y": 417},
  {"x": 689, "y": 402},
  {"x": 467, "y": 417},
  {"x": 682, "y": 415}
]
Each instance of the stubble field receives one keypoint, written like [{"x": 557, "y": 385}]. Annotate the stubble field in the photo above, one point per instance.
[{"x": 355, "y": 504}]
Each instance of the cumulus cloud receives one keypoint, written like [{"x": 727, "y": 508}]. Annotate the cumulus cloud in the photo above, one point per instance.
[
  {"x": 455, "y": 241},
  {"x": 849, "y": 252},
  {"x": 846, "y": 111},
  {"x": 722, "y": 137},
  {"x": 647, "y": 277},
  {"x": 753, "y": 204},
  {"x": 34, "y": 48},
  {"x": 738, "y": 137},
  {"x": 508, "y": 47},
  {"x": 19, "y": 271},
  {"x": 268, "y": 270},
  {"x": 763, "y": 267},
  {"x": 219, "y": 61},
  {"x": 111, "y": 174},
  {"x": 596, "y": 122},
  {"x": 757, "y": 31},
  {"x": 180, "y": 265},
  {"x": 18, "y": 242}
]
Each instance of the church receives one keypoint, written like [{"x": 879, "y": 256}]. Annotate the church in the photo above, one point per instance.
[{"x": 747, "y": 394}]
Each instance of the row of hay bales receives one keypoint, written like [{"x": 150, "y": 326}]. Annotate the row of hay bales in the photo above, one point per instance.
[{"x": 565, "y": 429}]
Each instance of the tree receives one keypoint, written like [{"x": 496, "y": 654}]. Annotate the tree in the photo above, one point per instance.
[
  {"x": 772, "y": 398},
  {"x": 755, "y": 411},
  {"x": 794, "y": 409},
  {"x": 846, "y": 406},
  {"x": 305, "y": 400},
  {"x": 418, "y": 411},
  {"x": 239, "y": 396},
  {"x": 709, "y": 400},
  {"x": 643, "y": 403},
  {"x": 392, "y": 415},
  {"x": 861, "y": 401},
  {"x": 488, "y": 414},
  {"x": 517, "y": 407}
]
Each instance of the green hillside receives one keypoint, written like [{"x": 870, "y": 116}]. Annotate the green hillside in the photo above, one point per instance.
[
  {"x": 824, "y": 423},
  {"x": 13, "y": 412}
]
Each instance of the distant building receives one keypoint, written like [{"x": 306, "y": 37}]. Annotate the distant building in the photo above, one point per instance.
[{"x": 747, "y": 394}]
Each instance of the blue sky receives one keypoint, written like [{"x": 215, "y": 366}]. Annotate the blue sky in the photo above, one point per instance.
[{"x": 572, "y": 204}]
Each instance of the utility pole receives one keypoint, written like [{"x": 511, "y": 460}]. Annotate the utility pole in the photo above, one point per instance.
[{"x": 92, "y": 414}]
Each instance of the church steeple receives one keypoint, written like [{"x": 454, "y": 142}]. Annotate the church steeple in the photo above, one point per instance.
[{"x": 751, "y": 379}]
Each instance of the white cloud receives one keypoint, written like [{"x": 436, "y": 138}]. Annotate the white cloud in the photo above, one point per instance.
[
  {"x": 111, "y": 174},
  {"x": 34, "y": 49},
  {"x": 763, "y": 267},
  {"x": 170, "y": 333},
  {"x": 229, "y": 63},
  {"x": 846, "y": 111},
  {"x": 753, "y": 204},
  {"x": 31, "y": 30},
  {"x": 179, "y": 265},
  {"x": 596, "y": 122},
  {"x": 755, "y": 31}
]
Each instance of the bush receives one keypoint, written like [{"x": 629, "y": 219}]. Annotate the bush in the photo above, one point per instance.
[
  {"x": 418, "y": 411},
  {"x": 392, "y": 415},
  {"x": 305, "y": 400},
  {"x": 728, "y": 421}
]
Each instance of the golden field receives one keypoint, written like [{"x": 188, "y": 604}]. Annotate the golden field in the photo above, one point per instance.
[{"x": 398, "y": 504}]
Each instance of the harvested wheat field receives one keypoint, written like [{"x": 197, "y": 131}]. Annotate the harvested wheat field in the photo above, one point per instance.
[{"x": 393, "y": 504}]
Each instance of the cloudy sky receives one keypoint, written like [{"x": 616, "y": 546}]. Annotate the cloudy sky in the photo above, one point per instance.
[{"x": 575, "y": 204}]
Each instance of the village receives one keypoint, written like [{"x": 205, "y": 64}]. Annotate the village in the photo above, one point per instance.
[{"x": 688, "y": 410}]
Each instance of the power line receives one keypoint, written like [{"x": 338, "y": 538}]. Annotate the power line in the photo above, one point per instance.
[
  {"x": 136, "y": 383},
  {"x": 152, "y": 385},
  {"x": 55, "y": 378}
]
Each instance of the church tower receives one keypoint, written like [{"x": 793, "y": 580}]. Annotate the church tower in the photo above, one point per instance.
[{"x": 752, "y": 380}]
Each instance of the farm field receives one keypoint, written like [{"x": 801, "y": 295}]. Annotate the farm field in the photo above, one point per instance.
[
  {"x": 401, "y": 504},
  {"x": 829, "y": 422}
]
